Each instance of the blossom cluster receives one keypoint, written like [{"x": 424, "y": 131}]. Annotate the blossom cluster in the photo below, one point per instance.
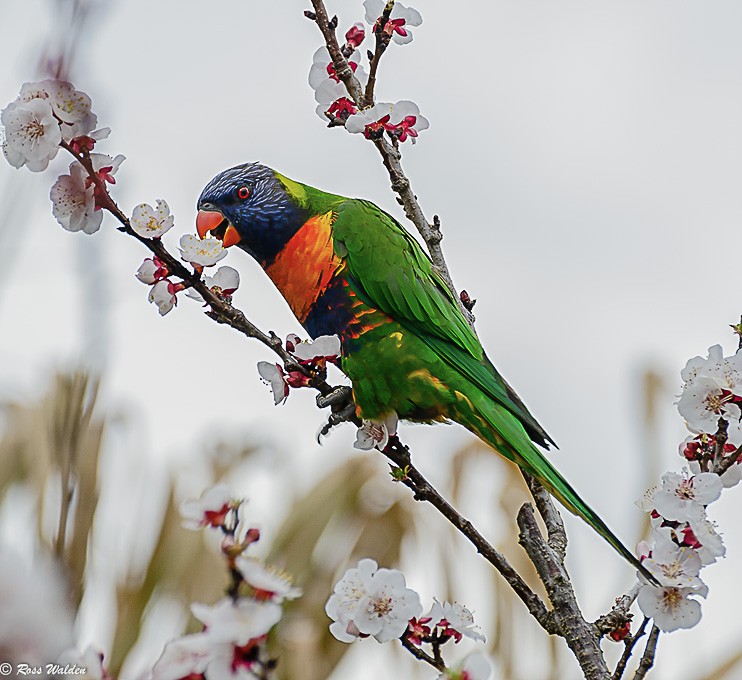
[
  {"x": 684, "y": 539},
  {"x": 198, "y": 252},
  {"x": 152, "y": 223},
  {"x": 312, "y": 355},
  {"x": 43, "y": 116},
  {"x": 46, "y": 116},
  {"x": 51, "y": 114},
  {"x": 232, "y": 642},
  {"x": 372, "y": 602},
  {"x": 400, "y": 120}
]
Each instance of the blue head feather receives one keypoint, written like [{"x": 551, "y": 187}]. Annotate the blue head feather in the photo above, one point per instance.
[{"x": 266, "y": 219}]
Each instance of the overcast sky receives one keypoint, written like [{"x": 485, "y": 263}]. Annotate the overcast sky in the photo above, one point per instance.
[{"x": 584, "y": 158}]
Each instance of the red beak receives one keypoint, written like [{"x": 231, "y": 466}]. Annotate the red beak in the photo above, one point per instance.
[{"x": 214, "y": 222}]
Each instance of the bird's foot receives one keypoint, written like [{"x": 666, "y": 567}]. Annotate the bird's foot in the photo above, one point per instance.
[
  {"x": 340, "y": 396},
  {"x": 340, "y": 400}
]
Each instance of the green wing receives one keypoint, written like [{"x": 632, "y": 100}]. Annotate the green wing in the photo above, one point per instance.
[{"x": 390, "y": 271}]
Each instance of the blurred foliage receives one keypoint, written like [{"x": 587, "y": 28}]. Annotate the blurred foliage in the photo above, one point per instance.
[
  {"x": 351, "y": 514},
  {"x": 52, "y": 448}
]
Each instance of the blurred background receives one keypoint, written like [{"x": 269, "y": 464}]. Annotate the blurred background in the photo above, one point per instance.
[{"x": 584, "y": 160}]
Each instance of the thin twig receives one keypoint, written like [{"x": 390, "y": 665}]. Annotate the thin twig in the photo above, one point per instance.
[
  {"x": 727, "y": 461},
  {"x": 382, "y": 42},
  {"x": 628, "y": 650},
  {"x": 418, "y": 653},
  {"x": 648, "y": 657},
  {"x": 720, "y": 439}
]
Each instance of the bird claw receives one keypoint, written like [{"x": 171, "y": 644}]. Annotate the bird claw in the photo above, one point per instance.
[
  {"x": 343, "y": 408},
  {"x": 340, "y": 396}
]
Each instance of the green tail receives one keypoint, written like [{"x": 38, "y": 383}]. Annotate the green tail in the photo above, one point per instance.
[{"x": 502, "y": 431}]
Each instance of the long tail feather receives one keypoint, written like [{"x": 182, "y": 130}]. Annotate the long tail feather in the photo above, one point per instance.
[{"x": 503, "y": 432}]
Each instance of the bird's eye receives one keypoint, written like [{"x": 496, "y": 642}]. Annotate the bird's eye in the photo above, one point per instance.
[{"x": 243, "y": 193}]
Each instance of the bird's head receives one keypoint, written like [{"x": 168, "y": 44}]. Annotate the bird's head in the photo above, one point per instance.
[{"x": 250, "y": 206}]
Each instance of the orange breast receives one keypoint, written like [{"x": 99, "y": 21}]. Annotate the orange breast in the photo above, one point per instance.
[{"x": 306, "y": 265}]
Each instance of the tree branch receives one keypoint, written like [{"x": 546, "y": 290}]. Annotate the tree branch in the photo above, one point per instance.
[{"x": 570, "y": 624}]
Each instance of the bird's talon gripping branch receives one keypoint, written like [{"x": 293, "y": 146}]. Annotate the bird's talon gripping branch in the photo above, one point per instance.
[
  {"x": 341, "y": 396},
  {"x": 340, "y": 400}
]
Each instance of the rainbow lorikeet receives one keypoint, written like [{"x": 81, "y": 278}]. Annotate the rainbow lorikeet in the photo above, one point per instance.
[{"x": 347, "y": 268}]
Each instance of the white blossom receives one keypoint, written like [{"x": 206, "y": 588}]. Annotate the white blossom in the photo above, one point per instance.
[
  {"x": 226, "y": 280},
  {"x": 149, "y": 270},
  {"x": 376, "y": 433},
  {"x": 710, "y": 386},
  {"x": 201, "y": 252},
  {"x": 347, "y": 594},
  {"x": 237, "y": 622},
  {"x": 218, "y": 652},
  {"x": 324, "y": 347},
  {"x": 710, "y": 544},
  {"x": 370, "y": 120},
  {"x": 371, "y": 601},
  {"x": 208, "y": 510},
  {"x": 726, "y": 371},
  {"x": 32, "y": 134},
  {"x": 71, "y": 106},
  {"x": 73, "y": 201},
  {"x": 646, "y": 502},
  {"x": 703, "y": 402},
  {"x": 643, "y": 549},
  {"x": 187, "y": 655},
  {"x": 327, "y": 92},
  {"x": 146, "y": 271},
  {"x": 277, "y": 585},
  {"x": 732, "y": 476},
  {"x": 683, "y": 498},
  {"x": 674, "y": 565},
  {"x": 163, "y": 295},
  {"x": 149, "y": 222},
  {"x": 671, "y": 607},
  {"x": 402, "y": 119},
  {"x": 274, "y": 375},
  {"x": 323, "y": 68},
  {"x": 401, "y": 19},
  {"x": 455, "y": 620}
]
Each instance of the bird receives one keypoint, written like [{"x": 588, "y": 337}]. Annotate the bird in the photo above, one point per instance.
[{"x": 347, "y": 268}]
